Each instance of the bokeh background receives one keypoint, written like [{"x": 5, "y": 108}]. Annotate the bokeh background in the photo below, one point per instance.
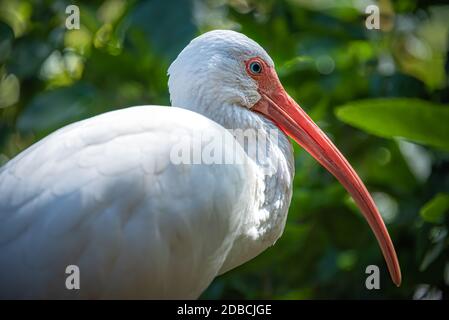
[{"x": 381, "y": 95}]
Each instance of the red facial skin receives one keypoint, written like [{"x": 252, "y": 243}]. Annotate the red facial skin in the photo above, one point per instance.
[{"x": 278, "y": 106}]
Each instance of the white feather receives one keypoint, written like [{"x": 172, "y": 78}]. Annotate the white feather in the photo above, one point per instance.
[{"x": 103, "y": 193}]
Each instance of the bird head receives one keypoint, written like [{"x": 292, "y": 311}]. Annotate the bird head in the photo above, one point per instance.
[
  {"x": 213, "y": 67},
  {"x": 228, "y": 67}
]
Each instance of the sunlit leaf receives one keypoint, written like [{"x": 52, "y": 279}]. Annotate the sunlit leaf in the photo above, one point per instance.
[
  {"x": 434, "y": 210},
  {"x": 9, "y": 90},
  {"x": 413, "y": 119}
]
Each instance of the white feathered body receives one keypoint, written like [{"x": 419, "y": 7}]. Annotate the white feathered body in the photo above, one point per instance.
[{"x": 103, "y": 194}]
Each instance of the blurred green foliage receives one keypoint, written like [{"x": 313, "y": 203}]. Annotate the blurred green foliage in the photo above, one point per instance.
[
  {"x": 413, "y": 119},
  {"x": 381, "y": 95}
]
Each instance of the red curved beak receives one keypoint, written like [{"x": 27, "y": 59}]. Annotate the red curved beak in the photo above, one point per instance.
[{"x": 278, "y": 106}]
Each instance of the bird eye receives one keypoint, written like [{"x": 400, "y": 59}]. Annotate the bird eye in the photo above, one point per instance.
[{"x": 255, "y": 67}]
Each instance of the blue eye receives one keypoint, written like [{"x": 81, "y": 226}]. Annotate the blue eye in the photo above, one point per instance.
[{"x": 255, "y": 67}]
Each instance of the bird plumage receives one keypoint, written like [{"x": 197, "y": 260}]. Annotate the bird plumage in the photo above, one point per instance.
[
  {"x": 109, "y": 194},
  {"x": 102, "y": 194}
]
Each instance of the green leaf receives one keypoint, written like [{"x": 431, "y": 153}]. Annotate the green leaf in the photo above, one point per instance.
[
  {"x": 412, "y": 119},
  {"x": 434, "y": 210}
]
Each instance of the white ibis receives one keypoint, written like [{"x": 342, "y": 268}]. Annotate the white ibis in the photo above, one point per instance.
[{"x": 105, "y": 195}]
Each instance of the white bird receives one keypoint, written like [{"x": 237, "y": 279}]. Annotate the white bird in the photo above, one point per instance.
[{"x": 105, "y": 195}]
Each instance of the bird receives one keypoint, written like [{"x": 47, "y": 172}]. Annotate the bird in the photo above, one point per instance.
[{"x": 121, "y": 196}]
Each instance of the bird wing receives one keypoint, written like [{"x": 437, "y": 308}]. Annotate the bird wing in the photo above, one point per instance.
[{"x": 104, "y": 194}]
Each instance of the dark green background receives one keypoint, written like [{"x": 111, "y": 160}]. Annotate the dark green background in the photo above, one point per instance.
[{"x": 381, "y": 95}]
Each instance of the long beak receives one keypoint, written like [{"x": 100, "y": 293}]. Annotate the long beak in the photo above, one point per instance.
[{"x": 288, "y": 115}]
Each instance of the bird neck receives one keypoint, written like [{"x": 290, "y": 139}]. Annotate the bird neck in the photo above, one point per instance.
[
  {"x": 273, "y": 159},
  {"x": 262, "y": 140}
]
